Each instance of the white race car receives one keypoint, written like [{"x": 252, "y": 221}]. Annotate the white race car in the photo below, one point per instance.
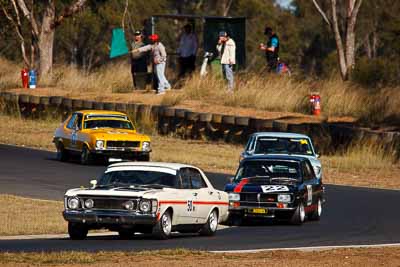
[{"x": 146, "y": 197}]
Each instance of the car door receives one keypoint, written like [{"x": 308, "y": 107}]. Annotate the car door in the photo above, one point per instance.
[
  {"x": 311, "y": 183},
  {"x": 68, "y": 130},
  {"x": 187, "y": 211},
  {"x": 77, "y": 135},
  {"x": 205, "y": 195}
]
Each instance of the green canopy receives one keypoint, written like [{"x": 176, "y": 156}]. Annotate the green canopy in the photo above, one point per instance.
[{"x": 118, "y": 43}]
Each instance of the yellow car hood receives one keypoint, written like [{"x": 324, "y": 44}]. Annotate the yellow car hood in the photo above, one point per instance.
[{"x": 117, "y": 134}]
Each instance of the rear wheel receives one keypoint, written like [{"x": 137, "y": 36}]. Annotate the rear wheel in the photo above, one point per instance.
[
  {"x": 143, "y": 158},
  {"x": 163, "y": 228},
  {"x": 86, "y": 157},
  {"x": 77, "y": 231},
  {"x": 316, "y": 214},
  {"x": 299, "y": 215},
  {"x": 62, "y": 153},
  {"x": 210, "y": 228}
]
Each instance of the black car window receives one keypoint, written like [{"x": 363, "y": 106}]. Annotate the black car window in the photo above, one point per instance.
[
  {"x": 71, "y": 121},
  {"x": 78, "y": 121},
  {"x": 138, "y": 178},
  {"x": 185, "y": 176},
  {"x": 249, "y": 144},
  {"x": 283, "y": 146},
  {"x": 108, "y": 123},
  {"x": 197, "y": 181},
  {"x": 268, "y": 169},
  {"x": 307, "y": 171}
]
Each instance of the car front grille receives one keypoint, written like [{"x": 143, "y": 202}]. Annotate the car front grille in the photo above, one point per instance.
[
  {"x": 109, "y": 203},
  {"x": 258, "y": 197},
  {"x": 122, "y": 144}
]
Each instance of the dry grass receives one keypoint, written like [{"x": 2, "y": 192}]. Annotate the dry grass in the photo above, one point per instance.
[
  {"x": 361, "y": 165},
  {"x": 182, "y": 257},
  {"x": 254, "y": 92},
  {"x": 22, "y": 218}
]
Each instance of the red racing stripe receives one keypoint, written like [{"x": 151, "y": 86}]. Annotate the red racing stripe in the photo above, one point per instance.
[
  {"x": 210, "y": 203},
  {"x": 239, "y": 187},
  {"x": 173, "y": 202}
]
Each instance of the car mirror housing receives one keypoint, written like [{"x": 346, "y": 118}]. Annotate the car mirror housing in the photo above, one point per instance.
[{"x": 93, "y": 183}]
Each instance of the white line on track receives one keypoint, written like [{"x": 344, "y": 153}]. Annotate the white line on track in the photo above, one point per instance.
[{"x": 307, "y": 249}]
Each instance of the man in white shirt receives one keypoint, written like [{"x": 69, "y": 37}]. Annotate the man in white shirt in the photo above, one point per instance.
[
  {"x": 226, "y": 48},
  {"x": 187, "y": 51}
]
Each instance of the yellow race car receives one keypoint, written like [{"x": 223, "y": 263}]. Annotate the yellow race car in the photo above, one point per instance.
[{"x": 100, "y": 133}]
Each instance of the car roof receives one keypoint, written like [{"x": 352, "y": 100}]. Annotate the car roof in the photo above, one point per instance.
[
  {"x": 275, "y": 157},
  {"x": 170, "y": 165},
  {"x": 280, "y": 134},
  {"x": 100, "y": 112}
]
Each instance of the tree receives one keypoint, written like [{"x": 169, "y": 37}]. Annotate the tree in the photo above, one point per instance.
[
  {"x": 345, "y": 38},
  {"x": 42, "y": 34}
]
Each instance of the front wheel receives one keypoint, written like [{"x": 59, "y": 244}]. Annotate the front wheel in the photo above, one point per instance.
[
  {"x": 143, "y": 158},
  {"x": 299, "y": 215},
  {"x": 210, "y": 228},
  {"x": 77, "y": 231},
  {"x": 86, "y": 157},
  {"x": 162, "y": 230}
]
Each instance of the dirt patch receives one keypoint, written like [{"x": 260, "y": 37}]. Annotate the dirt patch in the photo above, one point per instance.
[{"x": 338, "y": 257}]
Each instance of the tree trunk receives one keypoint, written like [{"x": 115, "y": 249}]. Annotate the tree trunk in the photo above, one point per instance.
[{"x": 46, "y": 40}]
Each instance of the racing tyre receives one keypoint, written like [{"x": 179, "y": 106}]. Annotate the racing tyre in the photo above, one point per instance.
[
  {"x": 86, "y": 157},
  {"x": 299, "y": 215},
  {"x": 77, "y": 231},
  {"x": 210, "y": 228},
  {"x": 162, "y": 230},
  {"x": 316, "y": 214},
  {"x": 62, "y": 153},
  {"x": 144, "y": 158}
]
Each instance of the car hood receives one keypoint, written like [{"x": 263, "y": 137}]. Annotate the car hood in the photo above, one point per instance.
[
  {"x": 260, "y": 187},
  {"x": 117, "y": 134},
  {"x": 116, "y": 192}
]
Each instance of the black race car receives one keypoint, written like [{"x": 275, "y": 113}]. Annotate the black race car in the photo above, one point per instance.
[{"x": 279, "y": 187}]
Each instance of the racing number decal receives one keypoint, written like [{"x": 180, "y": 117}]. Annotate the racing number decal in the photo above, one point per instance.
[
  {"x": 74, "y": 137},
  {"x": 309, "y": 195},
  {"x": 190, "y": 206}
]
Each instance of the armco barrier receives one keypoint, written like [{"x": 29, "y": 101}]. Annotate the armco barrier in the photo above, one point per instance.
[{"x": 188, "y": 124}]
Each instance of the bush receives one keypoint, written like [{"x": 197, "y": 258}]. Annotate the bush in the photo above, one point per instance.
[{"x": 376, "y": 73}]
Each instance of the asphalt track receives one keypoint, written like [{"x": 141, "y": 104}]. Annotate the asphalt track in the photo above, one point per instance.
[{"x": 351, "y": 216}]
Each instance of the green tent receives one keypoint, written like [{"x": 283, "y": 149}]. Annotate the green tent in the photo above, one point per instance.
[{"x": 118, "y": 43}]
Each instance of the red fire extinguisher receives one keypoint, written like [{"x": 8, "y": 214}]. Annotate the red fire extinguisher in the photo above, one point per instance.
[
  {"x": 315, "y": 102},
  {"x": 24, "y": 78}
]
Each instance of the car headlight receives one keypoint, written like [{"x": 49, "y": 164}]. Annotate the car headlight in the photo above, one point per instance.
[
  {"x": 145, "y": 205},
  {"x": 99, "y": 144},
  {"x": 146, "y": 146},
  {"x": 234, "y": 197},
  {"x": 73, "y": 203},
  {"x": 89, "y": 203},
  {"x": 129, "y": 205},
  {"x": 283, "y": 198}
]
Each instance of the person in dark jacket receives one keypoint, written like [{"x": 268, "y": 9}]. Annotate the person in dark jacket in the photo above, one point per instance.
[
  {"x": 271, "y": 49},
  {"x": 139, "y": 62}
]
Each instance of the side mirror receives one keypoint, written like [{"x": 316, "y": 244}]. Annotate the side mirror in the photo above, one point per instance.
[
  {"x": 317, "y": 156},
  {"x": 93, "y": 183},
  {"x": 230, "y": 180},
  {"x": 76, "y": 128}
]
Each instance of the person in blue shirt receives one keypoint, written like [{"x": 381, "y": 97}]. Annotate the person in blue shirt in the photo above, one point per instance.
[{"x": 271, "y": 49}]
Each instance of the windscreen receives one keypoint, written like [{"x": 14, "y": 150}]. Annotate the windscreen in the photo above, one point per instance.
[
  {"x": 120, "y": 124},
  {"x": 283, "y": 146},
  {"x": 138, "y": 178},
  {"x": 268, "y": 169}
]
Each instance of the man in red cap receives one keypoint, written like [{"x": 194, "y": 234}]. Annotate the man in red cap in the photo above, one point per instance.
[{"x": 159, "y": 57}]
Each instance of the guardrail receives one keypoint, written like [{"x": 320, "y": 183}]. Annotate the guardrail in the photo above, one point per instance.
[{"x": 329, "y": 137}]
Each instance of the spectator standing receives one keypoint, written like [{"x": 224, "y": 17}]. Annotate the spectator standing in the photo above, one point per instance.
[
  {"x": 187, "y": 51},
  {"x": 139, "y": 62},
  {"x": 271, "y": 49},
  {"x": 226, "y": 48},
  {"x": 159, "y": 59}
]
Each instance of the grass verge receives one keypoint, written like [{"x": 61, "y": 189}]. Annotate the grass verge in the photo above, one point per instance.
[
  {"x": 23, "y": 217},
  {"x": 182, "y": 257}
]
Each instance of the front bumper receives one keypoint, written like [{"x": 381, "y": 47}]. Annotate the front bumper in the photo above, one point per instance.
[
  {"x": 120, "y": 153},
  {"x": 109, "y": 217},
  {"x": 269, "y": 211}
]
